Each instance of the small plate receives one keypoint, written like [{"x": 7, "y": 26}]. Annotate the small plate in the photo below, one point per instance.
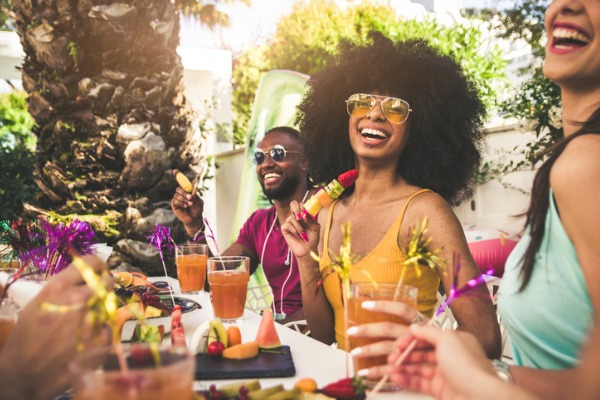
[{"x": 187, "y": 306}]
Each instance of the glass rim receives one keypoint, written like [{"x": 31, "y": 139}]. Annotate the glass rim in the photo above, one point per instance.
[
  {"x": 228, "y": 258},
  {"x": 193, "y": 245}
]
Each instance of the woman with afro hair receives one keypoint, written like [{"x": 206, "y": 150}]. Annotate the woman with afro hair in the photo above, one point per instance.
[{"x": 410, "y": 122}]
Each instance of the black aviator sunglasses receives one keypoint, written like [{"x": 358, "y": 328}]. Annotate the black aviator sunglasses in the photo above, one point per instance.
[{"x": 278, "y": 153}]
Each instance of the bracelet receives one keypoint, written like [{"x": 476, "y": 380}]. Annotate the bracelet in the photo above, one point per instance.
[
  {"x": 193, "y": 238},
  {"x": 503, "y": 370}
]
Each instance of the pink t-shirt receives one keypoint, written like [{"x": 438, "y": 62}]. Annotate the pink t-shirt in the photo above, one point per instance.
[{"x": 284, "y": 279}]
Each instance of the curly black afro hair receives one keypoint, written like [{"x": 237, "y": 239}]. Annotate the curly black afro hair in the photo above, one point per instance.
[{"x": 445, "y": 125}]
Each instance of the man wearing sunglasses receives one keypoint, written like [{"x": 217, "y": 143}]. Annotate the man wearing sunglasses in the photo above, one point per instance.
[{"x": 282, "y": 172}]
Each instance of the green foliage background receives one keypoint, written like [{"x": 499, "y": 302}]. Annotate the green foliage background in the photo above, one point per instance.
[
  {"x": 16, "y": 155},
  {"x": 308, "y": 37},
  {"x": 536, "y": 103}
]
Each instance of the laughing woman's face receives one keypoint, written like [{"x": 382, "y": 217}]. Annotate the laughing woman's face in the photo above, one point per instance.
[{"x": 573, "y": 43}]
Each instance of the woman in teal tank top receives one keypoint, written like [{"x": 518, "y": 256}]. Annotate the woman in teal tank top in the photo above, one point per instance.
[{"x": 550, "y": 293}]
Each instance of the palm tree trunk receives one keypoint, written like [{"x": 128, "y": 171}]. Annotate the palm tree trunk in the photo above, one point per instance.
[{"x": 105, "y": 88}]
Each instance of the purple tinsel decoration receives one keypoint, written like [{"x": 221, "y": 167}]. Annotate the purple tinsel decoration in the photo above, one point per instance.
[
  {"x": 161, "y": 238},
  {"x": 466, "y": 288},
  {"x": 61, "y": 240}
]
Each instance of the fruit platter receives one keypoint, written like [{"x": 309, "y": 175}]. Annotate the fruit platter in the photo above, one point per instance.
[
  {"x": 151, "y": 302},
  {"x": 221, "y": 353}
]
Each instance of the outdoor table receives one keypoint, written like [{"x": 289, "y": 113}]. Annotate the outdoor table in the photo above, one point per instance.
[{"x": 312, "y": 358}]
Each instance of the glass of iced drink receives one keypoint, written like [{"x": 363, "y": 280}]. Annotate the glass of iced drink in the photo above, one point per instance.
[
  {"x": 191, "y": 267},
  {"x": 8, "y": 318},
  {"x": 228, "y": 280},
  {"x": 360, "y": 292},
  {"x": 143, "y": 372}
]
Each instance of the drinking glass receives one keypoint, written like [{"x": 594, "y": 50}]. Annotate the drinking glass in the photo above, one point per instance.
[
  {"x": 357, "y": 315},
  {"x": 159, "y": 373},
  {"x": 228, "y": 280},
  {"x": 191, "y": 267},
  {"x": 8, "y": 318}
]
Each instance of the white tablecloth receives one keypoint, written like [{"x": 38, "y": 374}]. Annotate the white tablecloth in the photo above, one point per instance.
[{"x": 312, "y": 358}]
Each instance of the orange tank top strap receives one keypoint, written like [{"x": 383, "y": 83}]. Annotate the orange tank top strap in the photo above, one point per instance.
[{"x": 395, "y": 228}]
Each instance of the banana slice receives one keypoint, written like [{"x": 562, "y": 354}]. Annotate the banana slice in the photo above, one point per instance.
[{"x": 199, "y": 342}]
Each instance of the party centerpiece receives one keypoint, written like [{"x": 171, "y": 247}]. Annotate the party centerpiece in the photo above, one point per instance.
[{"x": 43, "y": 248}]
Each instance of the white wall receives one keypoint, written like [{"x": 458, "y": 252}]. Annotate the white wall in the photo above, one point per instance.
[
  {"x": 496, "y": 204},
  {"x": 207, "y": 77},
  {"x": 11, "y": 55},
  {"x": 227, "y": 179}
]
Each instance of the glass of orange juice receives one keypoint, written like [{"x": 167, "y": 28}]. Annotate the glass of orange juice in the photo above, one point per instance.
[
  {"x": 8, "y": 318},
  {"x": 162, "y": 373},
  {"x": 228, "y": 278},
  {"x": 360, "y": 292},
  {"x": 191, "y": 267}
]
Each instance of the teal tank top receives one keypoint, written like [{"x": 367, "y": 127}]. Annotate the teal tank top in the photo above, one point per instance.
[{"x": 548, "y": 322}]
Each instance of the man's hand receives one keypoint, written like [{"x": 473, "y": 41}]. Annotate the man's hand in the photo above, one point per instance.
[{"x": 188, "y": 208}]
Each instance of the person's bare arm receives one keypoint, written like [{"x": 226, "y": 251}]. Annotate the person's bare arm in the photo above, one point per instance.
[
  {"x": 317, "y": 310},
  {"x": 474, "y": 312}
]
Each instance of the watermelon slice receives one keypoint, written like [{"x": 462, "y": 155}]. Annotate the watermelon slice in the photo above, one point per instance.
[
  {"x": 177, "y": 333},
  {"x": 267, "y": 337}
]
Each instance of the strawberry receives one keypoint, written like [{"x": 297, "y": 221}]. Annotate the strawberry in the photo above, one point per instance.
[{"x": 345, "y": 389}]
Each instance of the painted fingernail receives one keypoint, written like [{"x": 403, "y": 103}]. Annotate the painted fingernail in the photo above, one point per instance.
[
  {"x": 304, "y": 236},
  {"x": 357, "y": 351},
  {"x": 299, "y": 217},
  {"x": 352, "y": 330},
  {"x": 368, "y": 305},
  {"x": 363, "y": 372}
]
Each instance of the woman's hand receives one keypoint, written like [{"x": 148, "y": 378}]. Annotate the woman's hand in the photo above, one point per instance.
[
  {"x": 449, "y": 365},
  {"x": 301, "y": 235},
  {"x": 385, "y": 332}
]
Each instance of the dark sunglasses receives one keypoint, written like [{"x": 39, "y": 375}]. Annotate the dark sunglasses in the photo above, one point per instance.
[
  {"x": 278, "y": 153},
  {"x": 395, "y": 110}
]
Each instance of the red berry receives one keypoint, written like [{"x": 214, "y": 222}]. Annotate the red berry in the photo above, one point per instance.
[
  {"x": 243, "y": 390},
  {"x": 215, "y": 349},
  {"x": 212, "y": 388}
]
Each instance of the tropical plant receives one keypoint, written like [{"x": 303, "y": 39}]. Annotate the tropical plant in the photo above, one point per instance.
[
  {"x": 537, "y": 101},
  {"x": 6, "y": 22},
  {"x": 105, "y": 88},
  {"x": 16, "y": 155},
  {"x": 308, "y": 37}
]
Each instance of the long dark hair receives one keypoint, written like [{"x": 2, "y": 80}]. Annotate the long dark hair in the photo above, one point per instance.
[{"x": 538, "y": 206}]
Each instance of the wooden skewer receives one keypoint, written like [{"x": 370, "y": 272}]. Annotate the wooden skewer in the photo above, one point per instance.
[{"x": 398, "y": 362}]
